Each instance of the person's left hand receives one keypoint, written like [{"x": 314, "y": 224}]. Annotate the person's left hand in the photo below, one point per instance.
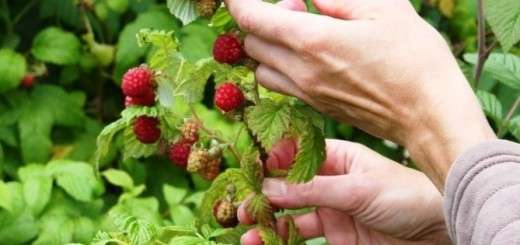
[{"x": 360, "y": 198}]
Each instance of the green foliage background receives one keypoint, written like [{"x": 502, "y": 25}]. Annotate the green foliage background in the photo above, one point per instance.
[{"x": 50, "y": 191}]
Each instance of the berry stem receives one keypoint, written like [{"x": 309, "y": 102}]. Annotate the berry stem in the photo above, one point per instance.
[{"x": 213, "y": 135}]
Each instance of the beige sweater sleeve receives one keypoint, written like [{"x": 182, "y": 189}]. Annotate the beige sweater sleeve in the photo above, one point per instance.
[{"x": 482, "y": 196}]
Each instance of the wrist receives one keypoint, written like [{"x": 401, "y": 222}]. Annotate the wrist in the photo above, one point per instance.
[{"x": 442, "y": 135}]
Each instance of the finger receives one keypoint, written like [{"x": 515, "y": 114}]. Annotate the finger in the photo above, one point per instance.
[
  {"x": 339, "y": 228},
  {"x": 296, "y": 5},
  {"x": 341, "y": 9},
  {"x": 308, "y": 225},
  {"x": 252, "y": 237},
  {"x": 278, "y": 82},
  {"x": 343, "y": 192},
  {"x": 271, "y": 54},
  {"x": 339, "y": 157},
  {"x": 277, "y": 24},
  {"x": 282, "y": 154}
]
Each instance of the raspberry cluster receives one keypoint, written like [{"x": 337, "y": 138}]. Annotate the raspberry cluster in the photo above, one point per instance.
[{"x": 229, "y": 97}]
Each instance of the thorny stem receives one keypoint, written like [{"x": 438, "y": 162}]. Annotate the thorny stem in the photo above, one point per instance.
[
  {"x": 503, "y": 127},
  {"x": 213, "y": 135}
]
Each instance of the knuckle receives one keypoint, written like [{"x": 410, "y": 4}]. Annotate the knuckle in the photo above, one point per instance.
[
  {"x": 245, "y": 20},
  {"x": 308, "y": 192}
]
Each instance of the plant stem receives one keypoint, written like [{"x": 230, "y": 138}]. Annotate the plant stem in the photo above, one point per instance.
[
  {"x": 256, "y": 92},
  {"x": 483, "y": 51},
  {"x": 213, "y": 135},
  {"x": 503, "y": 127},
  {"x": 7, "y": 18},
  {"x": 22, "y": 12}
]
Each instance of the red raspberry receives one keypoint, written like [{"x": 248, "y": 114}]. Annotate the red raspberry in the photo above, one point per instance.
[
  {"x": 146, "y": 129},
  {"x": 229, "y": 97},
  {"x": 228, "y": 49},
  {"x": 225, "y": 213},
  {"x": 137, "y": 82},
  {"x": 179, "y": 153},
  {"x": 146, "y": 100},
  {"x": 28, "y": 81}
]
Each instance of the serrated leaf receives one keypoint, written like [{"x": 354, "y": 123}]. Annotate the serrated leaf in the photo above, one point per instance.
[
  {"x": 133, "y": 112},
  {"x": 133, "y": 148},
  {"x": 491, "y": 106},
  {"x": 105, "y": 138},
  {"x": 181, "y": 215},
  {"x": 503, "y": 67},
  {"x": 6, "y": 201},
  {"x": 269, "y": 236},
  {"x": 504, "y": 18},
  {"x": 252, "y": 169},
  {"x": 37, "y": 186},
  {"x": 294, "y": 237},
  {"x": 218, "y": 190},
  {"x": 12, "y": 68},
  {"x": 260, "y": 210},
  {"x": 184, "y": 10},
  {"x": 19, "y": 226},
  {"x": 56, "y": 46},
  {"x": 138, "y": 231},
  {"x": 56, "y": 228},
  {"x": 192, "y": 89},
  {"x": 222, "y": 20},
  {"x": 310, "y": 155},
  {"x": 119, "y": 178},
  {"x": 269, "y": 122},
  {"x": 128, "y": 52},
  {"x": 189, "y": 240},
  {"x": 76, "y": 178}
]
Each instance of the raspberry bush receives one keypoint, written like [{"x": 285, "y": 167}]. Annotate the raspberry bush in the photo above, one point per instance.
[{"x": 140, "y": 121}]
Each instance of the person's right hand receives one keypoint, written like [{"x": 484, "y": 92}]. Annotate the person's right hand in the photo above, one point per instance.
[
  {"x": 375, "y": 64},
  {"x": 361, "y": 198}
]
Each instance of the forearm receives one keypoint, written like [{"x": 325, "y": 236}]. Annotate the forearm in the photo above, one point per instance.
[{"x": 452, "y": 124}]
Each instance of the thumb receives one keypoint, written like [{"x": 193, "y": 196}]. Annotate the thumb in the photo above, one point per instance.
[{"x": 341, "y": 192}]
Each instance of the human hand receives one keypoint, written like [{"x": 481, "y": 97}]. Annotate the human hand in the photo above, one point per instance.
[
  {"x": 361, "y": 198},
  {"x": 374, "y": 64}
]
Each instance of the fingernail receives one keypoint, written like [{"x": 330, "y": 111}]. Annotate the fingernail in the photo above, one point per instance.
[{"x": 274, "y": 187}]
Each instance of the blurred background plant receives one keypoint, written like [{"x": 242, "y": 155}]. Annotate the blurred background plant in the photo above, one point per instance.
[{"x": 61, "y": 63}]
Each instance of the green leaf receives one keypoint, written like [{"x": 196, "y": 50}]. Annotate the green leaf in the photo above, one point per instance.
[
  {"x": 12, "y": 68},
  {"x": 56, "y": 229},
  {"x": 503, "y": 67},
  {"x": 139, "y": 231},
  {"x": 294, "y": 236},
  {"x": 19, "y": 226},
  {"x": 260, "y": 209},
  {"x": 56, "y": 46},
  {"x": 37, "y": 187},
  {"x": 192, "y": 87},
  {"x": 128, "y": 52},
  {"x": 119, "y": 178},
  {"x": 189, "y": 240},
  {"x": 76, "y": 178},
  {"x": 174, "y": 195},
  {"x": 269, "y": 236},
  {"x": 252, "y": 169},
  {"x": 184, "y": 10},
  {"x": 133, "y": 148},
  {"x": 491, "y": 106},
  {"x": 105, "y": 138},
  {"x": 269, "y": 122},
  {"x": 197, "y": 40},
  {"x": 504, "y": 18},
  {"x": 181, "y": 215},
  {"x": 6, "y": 201},
  {"x": 218, "y": 190},
  {"x": 514, "y": 127}
]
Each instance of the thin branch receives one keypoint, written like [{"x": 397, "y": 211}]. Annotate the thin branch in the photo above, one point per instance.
[
  {"x": 503, "y": 128},
  {"x": 483, "y": 51},
  {"x": 256, "y": 92},
  {"x": 22, "y": 12},
  {"x": 213, "y": 135}
]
